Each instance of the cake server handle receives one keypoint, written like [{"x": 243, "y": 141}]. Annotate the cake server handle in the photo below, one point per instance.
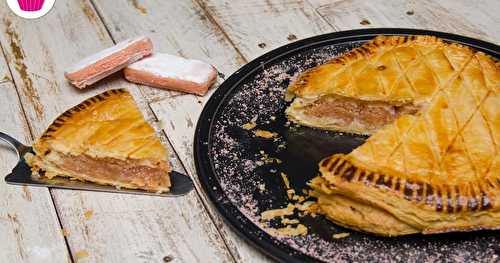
[{"x": 20, "y": 148}]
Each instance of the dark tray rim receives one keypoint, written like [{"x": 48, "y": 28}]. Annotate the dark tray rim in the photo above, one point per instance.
[{"x": 231, "y": 214}]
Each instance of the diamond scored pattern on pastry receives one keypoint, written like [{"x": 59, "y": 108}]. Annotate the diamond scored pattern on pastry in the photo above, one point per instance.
[
  {"x": 444, "y": 161},
  {"x": 105, "y": 140},
  {"x": 118, "y": 130},
  {"x": 445, "y": 106}
]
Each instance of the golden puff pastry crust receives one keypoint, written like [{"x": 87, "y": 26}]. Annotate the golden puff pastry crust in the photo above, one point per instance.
[
  {"x": 399, "y": 71},
  {"x": 388, "y": 68},
  {"x": 391, "y": 205},
  {"x": 106, "y": 134},
  {"x": 434, "y": 170}
]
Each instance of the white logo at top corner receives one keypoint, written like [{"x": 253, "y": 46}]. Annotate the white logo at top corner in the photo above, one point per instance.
[{"x": 30, "y": 9}]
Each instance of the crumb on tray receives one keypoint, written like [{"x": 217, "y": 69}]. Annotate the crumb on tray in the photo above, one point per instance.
[
  {"x": 288, "y": 221},
  {"x": 273, "y": 213},
  {"x": 285, "y": 180},
  {"x": 341, "y": 235},
  {"x": 265, "y": 134},
  {"x": 252, "y": 124},
  {"x": 267, "y": 160},
  {"x": 299, "y": 230}
]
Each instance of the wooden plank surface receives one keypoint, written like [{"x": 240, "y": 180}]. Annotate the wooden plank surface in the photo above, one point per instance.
[
  {"x": 29, "y": 226},
  {"x": 100, "y": 227},
  {"x": 262, "y": 25},
  {"x": 4, "y": 69},
  {"x": 477, "y": 19},
  {"x": 180, "y": 33}
]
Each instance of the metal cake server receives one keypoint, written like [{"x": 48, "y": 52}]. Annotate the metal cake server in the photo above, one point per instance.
[{"x": 21, "y": 175}]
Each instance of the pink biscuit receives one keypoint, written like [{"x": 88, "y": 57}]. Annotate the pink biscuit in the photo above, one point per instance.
[
  {"x": 108, "y": 61},
  {"x": 172, "y": 72}
]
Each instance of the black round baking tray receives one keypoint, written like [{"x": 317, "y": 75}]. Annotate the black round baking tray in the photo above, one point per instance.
[{"x": 241, "y": 172}]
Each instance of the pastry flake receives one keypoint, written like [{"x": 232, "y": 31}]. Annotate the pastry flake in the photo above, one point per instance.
[{"x": 105, "y": 140}]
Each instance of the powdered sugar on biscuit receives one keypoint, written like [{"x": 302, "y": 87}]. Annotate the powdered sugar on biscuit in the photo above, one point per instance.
[
  {"x": 170, "y": 66},
  {"x": 104, "y": 53}
]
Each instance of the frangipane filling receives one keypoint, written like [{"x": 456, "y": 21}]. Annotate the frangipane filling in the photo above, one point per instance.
[
  {"x": 344, "y": 112},
  {"x": 129, "y": 173}
]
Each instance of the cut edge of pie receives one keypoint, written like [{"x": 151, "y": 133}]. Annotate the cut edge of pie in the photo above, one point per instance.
[
  {"x": 363, "y": 90},
  {"x": 340, "y": 113},
  {"x": 433, "y": 164},
  {"x": 104, "y": 140}
]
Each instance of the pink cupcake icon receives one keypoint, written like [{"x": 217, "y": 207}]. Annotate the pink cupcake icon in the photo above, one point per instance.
[{"x": 30, "y": 5}]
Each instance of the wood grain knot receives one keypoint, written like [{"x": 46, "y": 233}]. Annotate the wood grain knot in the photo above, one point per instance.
[
  {"x": 365, "y": 22},
  {"x": 168, "y": 258}
]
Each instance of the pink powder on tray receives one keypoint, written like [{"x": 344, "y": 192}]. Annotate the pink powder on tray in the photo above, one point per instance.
[{"x": 30, "y": 5}]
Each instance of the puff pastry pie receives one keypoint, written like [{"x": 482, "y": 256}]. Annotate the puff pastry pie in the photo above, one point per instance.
[
  {"x": 432, "y": 163},
  {"x": 105, "y": 140}
]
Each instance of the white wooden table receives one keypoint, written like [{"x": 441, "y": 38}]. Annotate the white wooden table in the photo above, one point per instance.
[{"x": 41, "y": 225}]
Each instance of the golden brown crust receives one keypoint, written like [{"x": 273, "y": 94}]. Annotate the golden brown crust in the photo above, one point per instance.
[
  {"x": 455, "y": 138},
  {"x": 361, "y": 216},
  {"x": 439, "y": 197},
  {"x": 388, "y": 205},
  {"x": 384, "y": 68},
  {"x": 106, "y": 126},
  {"x": 436, "y": 171}
]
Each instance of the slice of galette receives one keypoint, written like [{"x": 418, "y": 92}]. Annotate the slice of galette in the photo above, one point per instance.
[{"x": 105, "y": 140}]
